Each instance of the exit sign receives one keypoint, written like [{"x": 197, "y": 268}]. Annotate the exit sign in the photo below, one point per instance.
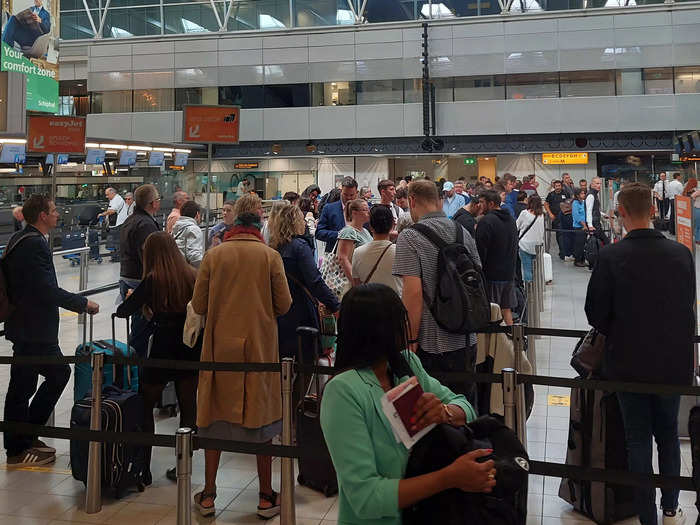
[{"x": 470, "y": 160}]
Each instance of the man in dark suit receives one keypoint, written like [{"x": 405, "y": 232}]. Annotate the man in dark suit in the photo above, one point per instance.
[
  {"x": 33, "y": 329},
  {"x": 649, "y": 323},
  {"x": 333, "y": 217}
]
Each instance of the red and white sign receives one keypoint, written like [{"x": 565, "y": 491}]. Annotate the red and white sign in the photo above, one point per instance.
[
  {"x": 684, "y": 222},
  {"x": 211, "y": 124},
  {"x": 56, "y": 134}
]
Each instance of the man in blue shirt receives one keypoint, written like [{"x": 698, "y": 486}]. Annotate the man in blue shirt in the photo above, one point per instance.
[
  {"x": 452, "y": 202},
  {"x": 511, "y": 194},
  {"x": 27, "y": 31}
]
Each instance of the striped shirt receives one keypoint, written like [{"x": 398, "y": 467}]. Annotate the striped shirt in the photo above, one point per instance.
[{"x": 417, "y": 256}]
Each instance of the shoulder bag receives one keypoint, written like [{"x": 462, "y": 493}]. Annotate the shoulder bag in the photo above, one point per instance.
[
  {"x": 333, "y": 274},
  {"x": 587, "y": 359}
]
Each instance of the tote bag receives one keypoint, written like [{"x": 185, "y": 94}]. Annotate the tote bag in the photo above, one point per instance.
[{"x": 333, "y": 274}]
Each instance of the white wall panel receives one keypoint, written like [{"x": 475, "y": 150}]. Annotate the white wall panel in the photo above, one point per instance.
[
  {"x": 379, "y": 69},
  {"x": 240, "y": 75},
  {"x": 109, "y": 126},
  {"x": 381, "y": 50},
  {"x": 478, "y": 30},
  {"x": 331, "y": 53},
  {"x": 251, "y": 124},
  {"x": 243, "y": 57},
  {"x": 146, "y": 62},
  {"x": 686, "y": 54},
  {"x": 235, "y": 44},
  {"x": 158, "y": 126},
  {"x": 522, "y": 27},
  {"x": 471, "y": 118},
  {"x": 533, "y": 116},
  {"x": 585, "y": 59},
  {"x": 332, "y": 122},
  {"x": 478, "y": 64},
  {"x": 153, "y": 79},
  {"x": 66, "y": 71},
  {"x": 203, "y": 59},
  {"x": 369, "y": 35},
  {"x": 289, "y": 55},
  {"x": 593, "y": 39},
  {"x": 531, "y": 61},
  {"x": 531, "y": 42},
  {"x": 584, "y": 23},
  {"x": 588, "y": 114},
  {"x": 285, "y": 41},
  {"x": 110, "y": 50},
  {"x": 413, "y": 120},
  {"x": 685, "y": 17},
  {"x": 200, "y": 45},
  {"x": 332, "y": 38},
  {"x": 687, "y": 111},
  {"x": 196, "y": 77},
  {"x": 649, "y": 36},
  {"x": 112, "y": 81},
  {"x": 81, "y": 70},
  {"x": 115, "y": 63},
  {"x": 478, "y": 46},
  {"x": 287, "y": 74},
  {"x": 286, "y": 123},
  {"x": 153, "y": 48},
  {"x": 325, "y": 71},
  {"x": 642, "y": 56},
  {"x": 646, "y": 113},
  {"x": 632, "y": 19},
  {"x": 383, "y": 120}
]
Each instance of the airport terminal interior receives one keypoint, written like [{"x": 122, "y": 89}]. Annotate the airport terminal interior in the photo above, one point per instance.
[{"x": 320, "y": 90}]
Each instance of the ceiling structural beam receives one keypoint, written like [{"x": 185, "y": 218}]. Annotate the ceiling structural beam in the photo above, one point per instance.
[
  {"x": 361, "y": 14},
  {"x": 354, "y": 11},
  {"x": 216, "y": 13},
  {"x": 89, "y": 15},
  {"x": 103, "y": 18},
  {"x": 224, "y": 24}
]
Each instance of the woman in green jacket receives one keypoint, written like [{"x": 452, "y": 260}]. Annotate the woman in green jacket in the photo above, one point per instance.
[{"x": 370, "y": 463}]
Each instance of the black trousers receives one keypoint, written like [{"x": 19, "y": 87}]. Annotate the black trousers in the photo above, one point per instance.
[
  {"x": 672, "y": 219},
  {"x": 23, "y": 385},
  {"x": 663, "y": 207},
  {"x": 463, "y": 360},
  {"x": 579, "y": 243},
  {"x": 556, "y": 225}
]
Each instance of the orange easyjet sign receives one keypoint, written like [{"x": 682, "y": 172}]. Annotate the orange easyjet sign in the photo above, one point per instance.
[
  {"x": 211, "y": 124},
  {"x": 56, "y": 134}
]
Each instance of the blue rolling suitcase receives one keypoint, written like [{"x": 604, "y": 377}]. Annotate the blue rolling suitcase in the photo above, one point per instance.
[
  {"x": 126, "y": 377},
  {"x": 123, "y": 466}
]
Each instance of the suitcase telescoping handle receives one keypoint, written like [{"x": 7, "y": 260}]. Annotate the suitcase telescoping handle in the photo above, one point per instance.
[
  {"x": 85, "y": 325},
  {"x": 312, "y": 333},
  {"x": 114, "y": 346}
]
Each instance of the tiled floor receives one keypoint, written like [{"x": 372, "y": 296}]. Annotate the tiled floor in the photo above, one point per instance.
[{"x": 53, "y": 497}]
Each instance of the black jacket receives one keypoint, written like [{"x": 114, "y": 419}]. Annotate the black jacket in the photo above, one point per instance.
[
  {"x": 33, "y": 290},
  {"x": 645, "y": 311},
  {"x": 497, "y": 242},
  {"x": 132, "y": 235},
  {"x": 467, "y": 220},
  {"x": 301, "y": 269}
]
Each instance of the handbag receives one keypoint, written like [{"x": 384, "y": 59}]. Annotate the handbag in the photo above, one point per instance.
[
  {"x": 333, "y": 274},
  {"x": 587, "y": 358},
  {"x": 326, "y": 320}
]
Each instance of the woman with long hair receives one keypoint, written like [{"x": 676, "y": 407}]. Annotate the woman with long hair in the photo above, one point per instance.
[
  {"x": 277, "y": 206},
  {"x": 305, "y": 282},
  {"x": 242, "y": 288},
  {"x": 530, "y": 225},
  {"x": 354, "y": 234},
  {"x": 166, "y": 288},
  {"x": 369, "y": 462}
]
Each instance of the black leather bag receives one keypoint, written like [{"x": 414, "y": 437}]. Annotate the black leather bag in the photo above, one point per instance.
[{"x": 587, "y": 359}]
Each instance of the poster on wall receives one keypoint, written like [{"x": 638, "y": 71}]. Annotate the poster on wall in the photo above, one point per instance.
[{"x": 30, "y": 46}]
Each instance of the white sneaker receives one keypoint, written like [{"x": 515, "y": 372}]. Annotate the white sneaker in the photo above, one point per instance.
[{"x": 677, "y": 519}]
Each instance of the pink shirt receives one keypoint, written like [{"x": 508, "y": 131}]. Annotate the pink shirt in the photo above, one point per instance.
[{"x": 172, "y": 219}]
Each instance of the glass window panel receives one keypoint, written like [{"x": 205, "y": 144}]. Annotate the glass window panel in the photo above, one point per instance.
[
  {"x": 532, "y": 85},
  {"x": 310, "y": 13},
  {"x": 140, "y": 21},
  {"x": 379, "y": 92},
  {"x": 153, "y": 100},
  {"x": 259, "y": 14},
  {"x": 190, "y": 18},
  {"x": 334, "y": 94},
  {"x": 76, "y": 25},
  {"x": 386, "y": 11},
  {"x": 111, "y": 102},
  {"x": 587, "y": 83},
  {"x": 248, "y": 97},
  {"x": 688, "y": 79},
  {"x": 489, "y": 87},
  {"x": 413, "y": 90},
  {"x": 287, "y": 96},
  {"x": 185, "y": 96},
  {"x": 129, "y": 3},
  {"x": 629, "y": 82},
  {"x": 658, "y": 81}
]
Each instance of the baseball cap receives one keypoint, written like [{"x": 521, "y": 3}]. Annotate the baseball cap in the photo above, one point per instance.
[{"x": 448, "y": 186}]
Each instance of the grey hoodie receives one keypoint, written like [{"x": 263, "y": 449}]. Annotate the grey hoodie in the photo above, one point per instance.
[{"x": 189, "y": 239}]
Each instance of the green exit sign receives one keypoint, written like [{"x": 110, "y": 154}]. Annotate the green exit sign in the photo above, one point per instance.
[{"x": 470, "y": 160}]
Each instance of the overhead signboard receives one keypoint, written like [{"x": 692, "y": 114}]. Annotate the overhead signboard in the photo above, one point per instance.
[
  {"x": 211, "y": 124},
  {"x": 684, "y": 222},
  {"x": 565, "y": 158},
  {"x": 246, "y": 165},
  {"x": 30, "y": 35},
  {"x": 56, "y": 134},
  {"x": 469, "y": 161},
  {"x": 13, "y": 154}
]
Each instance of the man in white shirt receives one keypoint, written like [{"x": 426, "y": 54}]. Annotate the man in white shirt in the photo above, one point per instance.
[
  {"x": 129, "y": 200},
  {"x": 593, "y": 213},
  {"x": 661, "y": 194},
  {"x": 675, "y": 187},
  {"x": 116, "y": 214}
]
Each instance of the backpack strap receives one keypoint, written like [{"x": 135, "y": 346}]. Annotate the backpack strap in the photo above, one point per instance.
[
  {"x": 9, "y": 248},
  {"x": 431, "y": 235}
]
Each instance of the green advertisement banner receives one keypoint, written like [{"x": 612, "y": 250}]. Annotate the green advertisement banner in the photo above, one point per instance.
[{"x": 30, "y": 47}]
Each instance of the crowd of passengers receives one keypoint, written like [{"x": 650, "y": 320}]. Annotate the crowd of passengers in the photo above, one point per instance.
[{"x": 255, "y": 281}]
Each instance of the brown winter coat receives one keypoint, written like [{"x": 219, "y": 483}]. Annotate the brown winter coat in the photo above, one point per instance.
[{"x": 242, "y": 288}]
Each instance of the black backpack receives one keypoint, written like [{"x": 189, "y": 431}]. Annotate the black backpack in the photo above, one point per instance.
[{"x": 460, "y": 304}]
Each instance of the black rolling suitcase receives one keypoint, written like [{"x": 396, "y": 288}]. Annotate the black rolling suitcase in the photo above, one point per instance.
[
  {"x": 317, "y": 471},
  {"x": 597, "y": 440},
  {"x": 123, "y": 465}
]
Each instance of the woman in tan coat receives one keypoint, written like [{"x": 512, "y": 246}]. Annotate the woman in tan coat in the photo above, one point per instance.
[{"x": 242, "y": 289}]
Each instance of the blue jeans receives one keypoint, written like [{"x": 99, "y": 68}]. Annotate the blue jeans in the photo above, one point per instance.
[
  {"x": 696, "y": 217},
  {"x": 644, "y": 416},
  {"x": 23, "y": 388},
  {"x": 526, "y": 260}
]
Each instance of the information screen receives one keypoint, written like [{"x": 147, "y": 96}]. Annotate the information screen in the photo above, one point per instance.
[
  {"x": 95, "y": 156},
  {"x": 180, "y": 159},
  {"x": 156, "y": 158},
  {"x": 13, "y": 154},
  {"x": 127, "y": 157}
]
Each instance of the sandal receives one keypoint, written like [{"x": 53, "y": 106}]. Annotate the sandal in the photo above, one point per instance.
[
  {"x": 205, "y": 510},
  {"x": 269, "y": 512}
]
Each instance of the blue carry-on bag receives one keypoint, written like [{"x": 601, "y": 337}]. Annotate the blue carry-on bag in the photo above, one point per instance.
[{"x": 125, "y": 377}]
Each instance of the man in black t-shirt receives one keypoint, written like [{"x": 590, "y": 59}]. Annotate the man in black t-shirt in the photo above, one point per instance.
[{"x": 553, "y": 206}]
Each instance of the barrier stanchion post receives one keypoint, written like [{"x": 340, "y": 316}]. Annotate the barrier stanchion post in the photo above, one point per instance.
[
  {"x": 533, "y": 311},
  {"x": 288, "y": 514},
  {"x": 520, "y": 415},
  {"x": 536, "y": 284},
  {"x": 93, "y": 495},
  {"x": 509, "y": 397},
  {"x": 540, "y": 275},
  {"x": 83, "y": 276},
  {"x": 183, "y": 451}
]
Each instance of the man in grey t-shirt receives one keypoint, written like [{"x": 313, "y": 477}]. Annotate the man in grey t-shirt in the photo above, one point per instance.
[{"x": 416, "y": 262}]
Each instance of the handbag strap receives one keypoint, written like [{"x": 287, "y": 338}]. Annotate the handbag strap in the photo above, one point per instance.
[
  {"x": 301, "y": 285},
  {"x": 376, "y": 265},
  {"x": 528, "y": 227}
]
